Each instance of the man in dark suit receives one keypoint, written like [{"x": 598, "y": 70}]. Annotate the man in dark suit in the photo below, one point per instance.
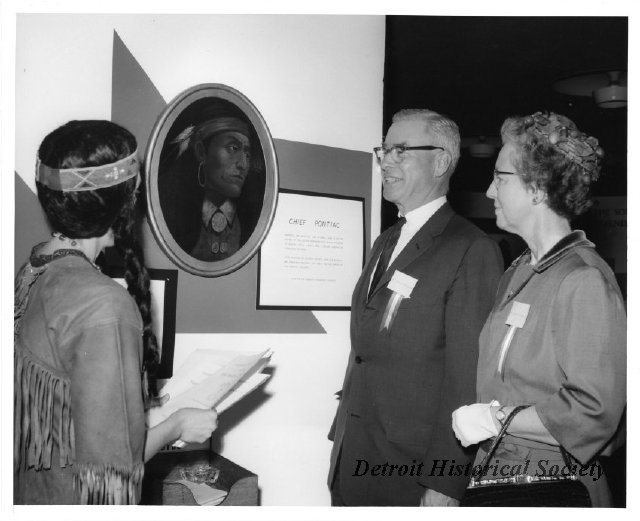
[{"x": 416, "y": 314}]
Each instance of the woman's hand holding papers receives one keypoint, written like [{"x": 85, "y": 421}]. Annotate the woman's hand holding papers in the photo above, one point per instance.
[
  {"x": 194, "y": 425},
  {"x": 188, "y": 425}
]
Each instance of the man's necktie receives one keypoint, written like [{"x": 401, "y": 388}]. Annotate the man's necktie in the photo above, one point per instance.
[{"x": 387, "y": 250}]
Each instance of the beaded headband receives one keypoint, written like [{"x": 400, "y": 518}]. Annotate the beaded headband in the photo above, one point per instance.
[
  {"x": 89, "y": 178},
  {"x": 194, "y": 133},
  {"x": 560, "y": 132}
]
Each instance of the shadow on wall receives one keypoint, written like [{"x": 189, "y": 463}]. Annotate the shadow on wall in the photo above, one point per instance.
[
  {"x": 31, "y": 225},
  {"x": 239, "y": 411}
]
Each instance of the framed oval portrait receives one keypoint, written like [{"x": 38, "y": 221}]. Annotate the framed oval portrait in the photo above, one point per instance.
[{"x": 211, "y": 179}]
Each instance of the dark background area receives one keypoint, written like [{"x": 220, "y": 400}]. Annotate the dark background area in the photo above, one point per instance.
[{"x": 480, "y": 70}]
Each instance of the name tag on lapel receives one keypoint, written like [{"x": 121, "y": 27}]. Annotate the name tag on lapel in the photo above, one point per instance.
[{"x": 402, "y": 284}]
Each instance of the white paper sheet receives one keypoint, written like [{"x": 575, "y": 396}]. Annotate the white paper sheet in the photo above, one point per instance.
[{"x": 209, "y": 376}]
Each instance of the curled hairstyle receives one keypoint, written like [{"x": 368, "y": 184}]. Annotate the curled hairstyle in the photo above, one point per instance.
[
  {"x": 87, "y": 214},
  {"x": 554, "y": 156},
  {"x": 444, "y": 131}
]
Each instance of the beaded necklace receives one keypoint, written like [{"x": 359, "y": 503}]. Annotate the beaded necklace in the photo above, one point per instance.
[{"x": 37, "y": 260}]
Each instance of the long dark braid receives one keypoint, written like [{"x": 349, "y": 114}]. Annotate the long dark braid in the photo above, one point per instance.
[{"x": 137, "y": 279}]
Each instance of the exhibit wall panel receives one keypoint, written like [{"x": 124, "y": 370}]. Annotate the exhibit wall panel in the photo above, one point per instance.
[{"x": 317, "y": 80}]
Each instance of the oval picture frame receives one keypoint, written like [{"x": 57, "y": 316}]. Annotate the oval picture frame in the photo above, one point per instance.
[{"x": 176, "y": 180}]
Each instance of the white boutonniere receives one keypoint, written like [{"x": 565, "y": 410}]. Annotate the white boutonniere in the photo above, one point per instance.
[{"x": 401, "y": 286}]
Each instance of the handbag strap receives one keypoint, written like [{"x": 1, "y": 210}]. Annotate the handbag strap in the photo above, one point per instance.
[
  {"x": 566, "y": 457},
  {"x": 503, "y": 432}
]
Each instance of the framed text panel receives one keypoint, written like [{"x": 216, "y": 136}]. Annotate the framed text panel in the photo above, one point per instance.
[{"x": 314, "y": 252}]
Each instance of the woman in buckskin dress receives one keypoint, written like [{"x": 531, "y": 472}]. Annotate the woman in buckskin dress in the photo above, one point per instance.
[{"x": 84, "y": 350}]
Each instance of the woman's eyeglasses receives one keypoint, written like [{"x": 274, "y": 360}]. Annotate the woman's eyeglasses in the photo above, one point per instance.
[{"x": 497, "y": 173}]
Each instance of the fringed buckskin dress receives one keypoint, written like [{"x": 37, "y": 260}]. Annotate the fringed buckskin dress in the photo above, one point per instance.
[{"x": 79, "y": 427}]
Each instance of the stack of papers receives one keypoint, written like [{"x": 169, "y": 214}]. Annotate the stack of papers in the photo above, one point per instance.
[{"x": 211, "y": 378}]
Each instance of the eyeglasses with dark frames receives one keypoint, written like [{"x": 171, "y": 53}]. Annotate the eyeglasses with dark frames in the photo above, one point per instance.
[
  {"x": 497, "y": 173},
  {"x": 399, "y": 150}
]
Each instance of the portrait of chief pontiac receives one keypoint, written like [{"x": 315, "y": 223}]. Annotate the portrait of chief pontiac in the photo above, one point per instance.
[{"x": 211, "y": 179}]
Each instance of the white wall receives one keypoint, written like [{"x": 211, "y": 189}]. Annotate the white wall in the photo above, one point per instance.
[
  {"x": 315, "y": 79},
  {"x": 285, "y": 440}
]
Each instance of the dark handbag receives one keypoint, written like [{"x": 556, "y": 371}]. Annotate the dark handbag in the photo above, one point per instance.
[{"x": 524, "y": 490}]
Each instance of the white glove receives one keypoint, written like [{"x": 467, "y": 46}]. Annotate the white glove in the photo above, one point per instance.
[{"x": 474, "y": 423}]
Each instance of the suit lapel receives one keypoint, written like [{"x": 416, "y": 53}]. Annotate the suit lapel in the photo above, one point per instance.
[{"x": 418, "y": 245}]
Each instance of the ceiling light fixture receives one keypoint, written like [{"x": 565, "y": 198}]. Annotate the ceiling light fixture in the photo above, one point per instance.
[
  {"x": 608, "y": 88},
  {"x": 481, "y": 146}
]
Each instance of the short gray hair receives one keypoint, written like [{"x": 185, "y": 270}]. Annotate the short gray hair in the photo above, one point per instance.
[{"x": 445, "y": 131}]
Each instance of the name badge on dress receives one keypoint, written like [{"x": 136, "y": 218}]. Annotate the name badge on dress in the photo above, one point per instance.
[
  {"x": 516, "y": 319},
  {"x": 518, "y": 314}
]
